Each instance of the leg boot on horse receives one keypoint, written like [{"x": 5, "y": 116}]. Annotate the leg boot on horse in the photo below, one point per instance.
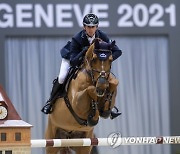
[{"x": 57, "y": 91}]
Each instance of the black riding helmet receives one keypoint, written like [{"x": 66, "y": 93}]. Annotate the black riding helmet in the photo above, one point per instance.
[{"x": 90, "y": 20}]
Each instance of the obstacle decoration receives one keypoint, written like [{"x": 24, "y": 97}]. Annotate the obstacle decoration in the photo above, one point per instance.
[
  {"x": 15, "y": 134},
  {"x": 3, "y": 109}
]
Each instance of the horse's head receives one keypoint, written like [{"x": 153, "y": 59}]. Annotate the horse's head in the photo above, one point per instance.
[{"x": 98, "y": 61}]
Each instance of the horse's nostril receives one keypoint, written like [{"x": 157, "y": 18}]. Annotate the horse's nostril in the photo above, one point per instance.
[{"x": 100, "y": 92}]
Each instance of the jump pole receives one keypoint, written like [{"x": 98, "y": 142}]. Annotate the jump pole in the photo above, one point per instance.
[{"x": 114, "y": 142}]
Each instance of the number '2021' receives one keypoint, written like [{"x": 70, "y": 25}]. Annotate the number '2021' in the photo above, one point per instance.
[{"x": 142, "y": 16}]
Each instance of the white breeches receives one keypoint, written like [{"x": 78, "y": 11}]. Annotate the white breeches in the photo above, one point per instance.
[{"x": 65, "y": 65}]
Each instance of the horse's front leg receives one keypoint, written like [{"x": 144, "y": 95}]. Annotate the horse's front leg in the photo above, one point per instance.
[
  {"x": 107, "y": 102},
  {"x": 91, "y": 90},
  {"x": 82, "y": 102},
  {"x": 113, "y": 83}
]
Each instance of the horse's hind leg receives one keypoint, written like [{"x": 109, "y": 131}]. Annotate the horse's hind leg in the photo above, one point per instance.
[
  {"x": 82, "y": 150},
  {"x": 50, "y": 134},
  {"x": 65, "y": 151},
  {"x": 52, "y": 150},
  {"x": 85, "y": 150}
]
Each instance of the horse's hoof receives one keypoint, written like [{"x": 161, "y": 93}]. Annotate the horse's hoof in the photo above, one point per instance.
[
  {"x": 105, "y": 114},
  {"x": 115, "y": 114}
]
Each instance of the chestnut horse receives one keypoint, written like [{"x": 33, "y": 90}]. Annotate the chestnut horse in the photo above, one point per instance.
[{"x": 90, "y": 94}]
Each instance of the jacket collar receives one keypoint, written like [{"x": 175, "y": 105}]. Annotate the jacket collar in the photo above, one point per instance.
[
  {"x": 97, "y": 34},
  {"x": 84, "y": 37}
]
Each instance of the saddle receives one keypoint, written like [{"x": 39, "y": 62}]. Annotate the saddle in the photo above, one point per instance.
[{"x": 71, "y": 75}]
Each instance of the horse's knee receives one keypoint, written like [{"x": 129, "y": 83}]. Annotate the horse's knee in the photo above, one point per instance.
[
  {"x": 92, "y": 92},
  {"x": 113, "y": 83}
]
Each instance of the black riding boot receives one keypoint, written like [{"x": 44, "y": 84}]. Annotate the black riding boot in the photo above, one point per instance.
[{"x": 56, "y": 92}]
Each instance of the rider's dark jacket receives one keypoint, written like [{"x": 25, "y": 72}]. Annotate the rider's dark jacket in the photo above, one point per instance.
[{"x": 72, "y": 50}]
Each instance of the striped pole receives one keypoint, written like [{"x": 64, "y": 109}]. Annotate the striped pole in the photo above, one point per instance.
[{"x": 114, "y": 142}]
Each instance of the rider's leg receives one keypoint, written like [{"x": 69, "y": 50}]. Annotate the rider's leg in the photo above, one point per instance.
[
  {"x": 65, "y": 65},
  {"x": 57, "y": 88}
]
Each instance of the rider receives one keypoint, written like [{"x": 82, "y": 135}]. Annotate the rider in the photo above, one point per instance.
[{"x": 72, "y": 55}]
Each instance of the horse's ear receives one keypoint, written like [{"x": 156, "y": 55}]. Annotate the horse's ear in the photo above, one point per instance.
[
  {"x": 94, "y": 56},
  {"x": 89, "y": 51},
  {"x": 96, "y": 43},
  {"x": 112, "y": 44},
  {"x": 111, "y": 58}
]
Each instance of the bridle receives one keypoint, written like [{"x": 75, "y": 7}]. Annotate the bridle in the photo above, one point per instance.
[{"x": 102, "y": 73}]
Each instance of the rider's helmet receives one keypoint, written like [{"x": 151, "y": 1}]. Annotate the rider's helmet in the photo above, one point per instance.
[{"x": 90, "y": 20}]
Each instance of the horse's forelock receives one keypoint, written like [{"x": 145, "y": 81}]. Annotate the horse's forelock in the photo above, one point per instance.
[
  {"x": 104, "y": 45},
  {"x": 97, "y": 44},
  {"x": 103, "y": 50},
  {"x": 100, "y": 44}
]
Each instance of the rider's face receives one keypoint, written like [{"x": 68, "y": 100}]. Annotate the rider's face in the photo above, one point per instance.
[{"x": 90, "y": 30}]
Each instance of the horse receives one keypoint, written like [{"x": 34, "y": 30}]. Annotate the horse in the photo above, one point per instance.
[{"x": 91, "y": 94}]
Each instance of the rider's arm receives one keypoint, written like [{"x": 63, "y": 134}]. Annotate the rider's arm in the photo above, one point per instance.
[
  {"x": 116, "y": 52},
  {"x": 76, "y": 52}
]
